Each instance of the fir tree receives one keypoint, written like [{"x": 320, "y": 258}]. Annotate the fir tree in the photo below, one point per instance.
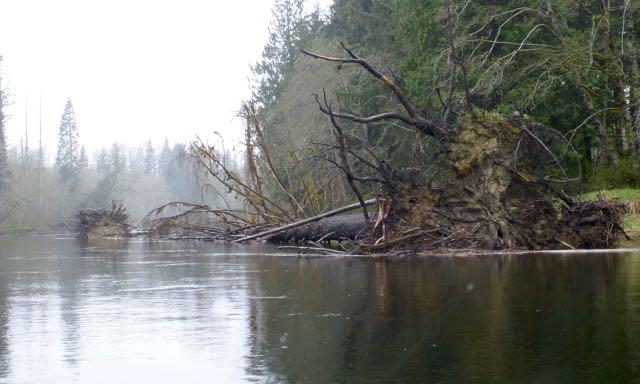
[
  {"x": 150, "y": 161},
  {"x": 117, "y": 159},
  {"x": 102, "y": 161},
  {"x": 83, "y": 160},
  {"x": 136, "y": 158},
  {"x": 67, "y": 157},
  {"x": 289, "y": 28},
  {"x": 165, "y": 158},
  {"x": 4, "y": 166}
]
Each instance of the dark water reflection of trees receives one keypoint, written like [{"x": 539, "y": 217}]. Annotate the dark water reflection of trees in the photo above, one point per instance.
[
  {"x": 243, "y": 312},
  {"x": 535, "y": 318}
]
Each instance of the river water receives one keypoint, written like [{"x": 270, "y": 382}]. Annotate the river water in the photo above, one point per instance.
[{"x": 175, "y": 312}]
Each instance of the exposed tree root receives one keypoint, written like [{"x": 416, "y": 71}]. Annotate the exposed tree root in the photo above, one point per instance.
[
  {"x": 535, "y": 225},
  {"x": 92, "y": 223},
  {"x": 477, "y": 208}
]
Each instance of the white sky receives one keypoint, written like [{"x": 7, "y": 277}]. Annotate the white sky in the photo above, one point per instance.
[{"x": 134, "y": 69}]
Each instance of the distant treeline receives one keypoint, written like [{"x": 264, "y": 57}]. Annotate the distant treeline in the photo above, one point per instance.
[{"x": 38, "y": 196}]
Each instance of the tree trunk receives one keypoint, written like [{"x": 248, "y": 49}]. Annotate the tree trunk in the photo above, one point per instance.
[
  {"x": 342, "y": 227},
  {"x": 620, "y": 120},
  {"x": 283, "y": 229},
  {"x": 609, "y": 154},
  {"x": 630, "y": 58}
]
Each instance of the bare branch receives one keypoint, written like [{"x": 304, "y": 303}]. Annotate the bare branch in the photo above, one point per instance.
[
  {"x": 425, "y": 125},
  {"x": 544, "y": 146},
  {"x": 365, "y": 119},
  {"x": 344, "y": 148}
]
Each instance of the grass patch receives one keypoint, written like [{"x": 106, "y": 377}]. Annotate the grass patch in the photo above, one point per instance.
[
  {"x": 631, "y": 222},
  {"x": 624, "y": 194},
  {"x": 16, "y": 229},
  {"x": 631, "y": 225}
]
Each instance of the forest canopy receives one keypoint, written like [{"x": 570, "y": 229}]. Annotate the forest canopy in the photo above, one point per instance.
[{"x": 570, "y": 65}]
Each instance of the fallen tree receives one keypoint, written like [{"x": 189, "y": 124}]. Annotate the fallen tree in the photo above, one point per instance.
[
  {"x": 95, "y": 223},
  {"x": 483, "y": 201},
  {"x": 488, "y": 195},
  {"x": 338, "y": 228},
  {"x": 486, "y": 201},
  {"x": 323, "y": 226}
]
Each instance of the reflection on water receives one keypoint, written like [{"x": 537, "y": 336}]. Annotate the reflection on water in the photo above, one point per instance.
[{"x": 136, "y": 311}]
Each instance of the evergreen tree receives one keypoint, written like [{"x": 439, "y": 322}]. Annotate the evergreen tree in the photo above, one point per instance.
[
  {"x": 136, "y": 161},
  {"x": 367, "y": 24},
  {"x": 179, "y": 175},
  {"x": 165, "y": 158},
  {"x": 4, "y": 166},
  {"x": 67, "y": 157},
  {"x": 150, "y": 161},
  {"x": 102, "y": 161},
  {"x": 290, "y": 26},
  {"x": 83, "y": 160},
  {"x": 117, "y": 159}
]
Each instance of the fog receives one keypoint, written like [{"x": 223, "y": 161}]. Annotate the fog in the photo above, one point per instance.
[
  {"x": 144, "y": 79},
  {"x": 135, "y": 70}
]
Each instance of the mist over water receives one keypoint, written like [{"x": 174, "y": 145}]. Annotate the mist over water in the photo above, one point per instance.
[{"x": 137, "y": 311}]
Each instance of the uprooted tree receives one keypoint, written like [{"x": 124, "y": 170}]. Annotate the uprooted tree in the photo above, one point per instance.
[
  {"x": 482, "y": 199},
  {"x": 96, "y": 223},
  {"x": 499, "y": 182},
  {"x": 487, "y": 201}
]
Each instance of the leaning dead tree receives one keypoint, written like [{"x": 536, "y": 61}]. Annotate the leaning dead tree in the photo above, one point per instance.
[{"x": 300, "y": 211}]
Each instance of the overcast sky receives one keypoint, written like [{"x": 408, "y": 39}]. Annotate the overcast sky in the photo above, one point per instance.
[{"x": 134, "y": 69}]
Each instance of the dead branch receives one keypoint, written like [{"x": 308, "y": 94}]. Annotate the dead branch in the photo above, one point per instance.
[
  {"x": 206, "y": 157},
  {"x": 425, "y": 125},
  {"x": 344, "y": 147},
  {"x": 251, "y": 116}
]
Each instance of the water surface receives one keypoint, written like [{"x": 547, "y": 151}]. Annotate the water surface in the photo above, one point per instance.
[{"x": 168, "y": 312}]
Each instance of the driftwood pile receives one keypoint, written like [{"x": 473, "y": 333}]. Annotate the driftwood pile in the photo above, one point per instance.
[
  {"x": 597, "y": 222},
  {"x": 94, "y": 223}
]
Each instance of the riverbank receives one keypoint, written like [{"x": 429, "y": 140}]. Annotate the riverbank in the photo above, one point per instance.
[
  {"x": 630, "y": 222},
  {"x": 17, "y": 230}
]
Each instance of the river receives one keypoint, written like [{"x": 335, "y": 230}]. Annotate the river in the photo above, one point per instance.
[{"x": 188, "y": 312}]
